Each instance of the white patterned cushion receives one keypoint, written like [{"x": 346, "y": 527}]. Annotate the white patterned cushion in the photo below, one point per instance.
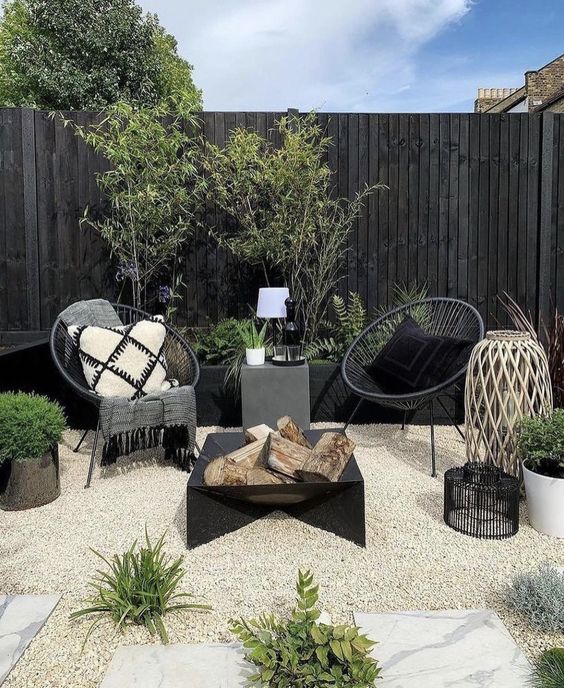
[{"x": 126, "y": 361}]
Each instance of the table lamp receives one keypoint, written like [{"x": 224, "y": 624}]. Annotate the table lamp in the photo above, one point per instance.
[{"x": 271, "y": 305}]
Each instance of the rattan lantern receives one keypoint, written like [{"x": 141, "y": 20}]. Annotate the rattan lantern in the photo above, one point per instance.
[{"x": 507, "y": 378}]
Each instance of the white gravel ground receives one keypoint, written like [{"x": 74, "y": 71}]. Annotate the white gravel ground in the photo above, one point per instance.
[{"x": 412, "y": 560}]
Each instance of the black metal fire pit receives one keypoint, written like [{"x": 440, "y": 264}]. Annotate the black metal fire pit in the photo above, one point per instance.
[
  {"x": 482, "y": 501},
  {"x": 213, "y": 511}
]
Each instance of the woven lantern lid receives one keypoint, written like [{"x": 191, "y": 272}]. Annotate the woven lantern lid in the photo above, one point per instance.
[{"x": 508, "y": 336}]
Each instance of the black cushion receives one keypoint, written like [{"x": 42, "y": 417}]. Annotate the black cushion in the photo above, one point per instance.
[{"x": 413, "y": 361}]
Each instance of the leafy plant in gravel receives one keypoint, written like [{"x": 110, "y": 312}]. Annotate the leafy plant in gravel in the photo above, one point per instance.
[
  {"x": 548, "y": 669},
  {"x": 139, "y": 588},
  {"x": 541, "y": 443},
  {"x": 302, "y": 652},
  {"x": 30, "y": 425},
  {"x": 539, "y": 596}
]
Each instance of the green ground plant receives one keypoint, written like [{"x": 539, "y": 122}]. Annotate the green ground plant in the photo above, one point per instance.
[
  {"x": 302, "y": 652},
  {"x": 139, "y": 587},
  {"x": 539, "y": 597},
  {"x": 548, "y": 669},
  {"x": 30, "y": 426},
  {"x": 217, "y": 344}
]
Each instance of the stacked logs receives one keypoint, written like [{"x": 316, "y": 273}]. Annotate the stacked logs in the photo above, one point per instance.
[{"x": 272, "y": 457}]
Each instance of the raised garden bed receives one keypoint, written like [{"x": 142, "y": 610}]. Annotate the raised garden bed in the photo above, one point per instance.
[{"x": 29, "y": 368}]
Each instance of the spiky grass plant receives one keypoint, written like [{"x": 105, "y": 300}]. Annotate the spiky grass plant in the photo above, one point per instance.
[
  {"x": 539, "y": 596},
  {"x": 302, "y": 652},
  {"x": 138, "y": 588},
  {"x": 548, "y": 669}
]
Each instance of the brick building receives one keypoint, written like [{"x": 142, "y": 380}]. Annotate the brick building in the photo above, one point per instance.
[{"x": 543, "y": 90}]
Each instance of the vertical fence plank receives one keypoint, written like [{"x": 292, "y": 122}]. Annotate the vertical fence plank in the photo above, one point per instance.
[
  {"x": 546, "y": 217},
  {"x": 30, "y": 219}
]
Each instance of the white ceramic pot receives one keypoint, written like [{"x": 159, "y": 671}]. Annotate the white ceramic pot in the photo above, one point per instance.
[
  {"x": 255, "y": 356},
  {"x": 545, "y": 501}
]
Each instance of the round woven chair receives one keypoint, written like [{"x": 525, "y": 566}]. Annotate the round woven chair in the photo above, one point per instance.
[
  {"x": 182, "y": 364},
  {"x": 444, "y": 317}
]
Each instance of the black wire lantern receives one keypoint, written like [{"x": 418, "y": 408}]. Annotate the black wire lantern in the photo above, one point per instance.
[{"x": 482, "y": 501}]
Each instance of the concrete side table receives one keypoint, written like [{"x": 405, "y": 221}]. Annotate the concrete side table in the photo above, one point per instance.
[{"x": 269, "y": 392}]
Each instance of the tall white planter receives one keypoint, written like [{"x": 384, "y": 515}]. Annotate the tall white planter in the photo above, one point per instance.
[{"x": 545, "y": 501}]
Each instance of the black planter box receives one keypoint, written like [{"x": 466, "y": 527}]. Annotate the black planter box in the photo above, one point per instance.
[{"x": 29, "y": 368}]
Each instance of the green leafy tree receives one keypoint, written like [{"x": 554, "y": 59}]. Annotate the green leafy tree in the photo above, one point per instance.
[
  {"x": 154, "y": 191},
  {"x": 287, "y": 220},
  {"x": 87, "y": 54}
]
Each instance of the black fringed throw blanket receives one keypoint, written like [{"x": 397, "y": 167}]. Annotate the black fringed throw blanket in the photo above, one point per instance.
[{"x": 165, "y": 420}]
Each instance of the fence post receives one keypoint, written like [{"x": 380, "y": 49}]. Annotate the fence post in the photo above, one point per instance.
[
  {"x": 545, "y": 266},
  {"x": 30, "y": 217}
]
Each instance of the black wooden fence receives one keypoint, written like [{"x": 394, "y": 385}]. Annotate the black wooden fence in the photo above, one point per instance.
[{"x": 475, "y": 207}]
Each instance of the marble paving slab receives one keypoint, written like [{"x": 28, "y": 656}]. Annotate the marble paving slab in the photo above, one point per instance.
[
  {"x": 21, "y": 618},
  {"x": 177, "y": 666},
  {"x": 445, "y": 649}
]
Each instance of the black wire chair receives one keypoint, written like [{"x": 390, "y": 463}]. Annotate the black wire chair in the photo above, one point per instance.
[
  {"x": 443, "y": 317},
  {"x": 182, "y": 364}
]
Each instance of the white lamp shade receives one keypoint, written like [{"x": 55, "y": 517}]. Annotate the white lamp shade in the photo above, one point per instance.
[{"x": 271, "y": 302}]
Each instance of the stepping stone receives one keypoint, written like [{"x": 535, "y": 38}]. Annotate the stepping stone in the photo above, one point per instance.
[
  {"x": 445, "y": 649},
  {"x": 177, "y": 666},
  {"x": 21, "y": 618}
]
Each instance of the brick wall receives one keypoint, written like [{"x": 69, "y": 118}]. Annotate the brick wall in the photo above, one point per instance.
[{"x": 544, "y": 82}]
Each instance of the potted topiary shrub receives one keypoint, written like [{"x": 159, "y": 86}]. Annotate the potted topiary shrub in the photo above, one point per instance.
[
  {"x": 253, "y": 340},
  {"x": 30, "y": 428},
  {"x": 541, "y": 443}
]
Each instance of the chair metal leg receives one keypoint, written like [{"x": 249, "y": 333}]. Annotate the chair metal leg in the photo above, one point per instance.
[
  {"x": 81, "y": 440},
  {"x": 450, "y": 418},
  {"x": 433, "y": 462},
  {"x": 404, "y": 419},
  {"x": 353, "y": 414},
  {"x": 93, "y": 456}
]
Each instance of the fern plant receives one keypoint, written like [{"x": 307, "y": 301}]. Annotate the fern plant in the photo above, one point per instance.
[
  {"x": 302, "y": 652},
  {"x": 350, "y": 320},
  {"x": 139, "y": 588}
]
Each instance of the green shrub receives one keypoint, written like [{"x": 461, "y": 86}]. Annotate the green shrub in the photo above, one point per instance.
[
  {"x": 541, "y": 443},
  {"x": 218, "y": 344},
  {"x": 539, "y": 596},
  {"x": 139, "y": 588},
  {"x": 548, "y": 669},
  {"x": 302, "y": 652},
  {"x": 29, "y": 426}
]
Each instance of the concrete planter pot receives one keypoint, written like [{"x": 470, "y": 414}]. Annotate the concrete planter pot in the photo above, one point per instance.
[
  {"x": 545, "y": 501},
  {"x": 28, "y": 484},
  {"x": 255, "y": 357}
]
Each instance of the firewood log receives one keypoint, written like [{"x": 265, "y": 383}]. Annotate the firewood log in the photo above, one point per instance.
[
  {"x": 290, "y": 430},
  {"x": 224, "y": 471},
  {"x": 262, "y": 476},
  {"x": 249, "y": 455},
  {"x": 328, "y": 458},
  {"x": 284, "y": 456},
  {"x": 258, "y": 432}
]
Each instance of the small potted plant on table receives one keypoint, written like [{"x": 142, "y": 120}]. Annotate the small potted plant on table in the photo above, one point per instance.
[
  {"x": 541, "y": 443},
  {"x": 30, "y": 428},
  {"x": 253, "y": 341}
]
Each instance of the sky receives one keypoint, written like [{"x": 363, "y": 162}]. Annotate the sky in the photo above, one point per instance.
[{"x": 360, "y": 55}]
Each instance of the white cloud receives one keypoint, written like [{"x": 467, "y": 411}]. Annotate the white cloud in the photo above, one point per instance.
[{"x": 347, "y": 55}]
